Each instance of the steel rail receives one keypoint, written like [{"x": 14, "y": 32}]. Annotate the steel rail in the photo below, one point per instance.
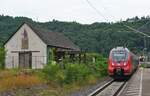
[
  {"x": 98, "y": 90},
  {"x": 120, "y": 89}
]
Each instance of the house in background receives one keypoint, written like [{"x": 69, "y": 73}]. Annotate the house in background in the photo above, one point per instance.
[{"x": 29, "y": 47}]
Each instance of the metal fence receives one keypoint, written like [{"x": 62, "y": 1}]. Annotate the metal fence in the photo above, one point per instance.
[{"x": 35, "y": 62}]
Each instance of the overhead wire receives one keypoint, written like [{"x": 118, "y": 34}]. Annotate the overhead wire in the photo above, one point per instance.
[
  {"x": 99, "y": 13},
  {"x": 144, "y": 25},
  {"x": 129, "y": 27}
]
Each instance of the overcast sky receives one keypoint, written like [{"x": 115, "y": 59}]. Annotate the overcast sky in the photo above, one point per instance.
[{"x": 75, "y": 10}]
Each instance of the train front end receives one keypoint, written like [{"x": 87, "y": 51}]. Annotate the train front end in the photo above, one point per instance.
[{"x": 119, "y": 63}]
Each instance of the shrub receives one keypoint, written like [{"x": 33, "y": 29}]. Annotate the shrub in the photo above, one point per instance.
[
  {"x": 72, "y": 73},
  {"x": 50, "y": 71},
  {"x": 2, "y": 58},
  {"x": 102, "y": 68},
  {"x": 76, "y": 72},
  {"x": 54, "y": 73},
  {"x": 99, "y": 66}
]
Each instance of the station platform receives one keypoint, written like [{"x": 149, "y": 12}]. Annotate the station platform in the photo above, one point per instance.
[{"x": 146, "y": 82}]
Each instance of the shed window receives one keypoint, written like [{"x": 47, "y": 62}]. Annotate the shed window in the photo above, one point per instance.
[{"x": 25, "y": 40}]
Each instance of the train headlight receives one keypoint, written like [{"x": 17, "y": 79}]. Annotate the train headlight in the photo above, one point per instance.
[
  {"x": 113, "y": 64},
  {"x": 125, "y": 64}
]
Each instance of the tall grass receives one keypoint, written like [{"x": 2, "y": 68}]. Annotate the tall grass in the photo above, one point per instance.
[
  {"x": 71, "y": 76},
  {"x": 14, "y": 79}
]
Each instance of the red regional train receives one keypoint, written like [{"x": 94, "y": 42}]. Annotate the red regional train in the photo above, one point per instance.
[{"x": 122, "y": 62}]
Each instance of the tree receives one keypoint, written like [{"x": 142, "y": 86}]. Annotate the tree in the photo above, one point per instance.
[{"x": 2, "y": 58}]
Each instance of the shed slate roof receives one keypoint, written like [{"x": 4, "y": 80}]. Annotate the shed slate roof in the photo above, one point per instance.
[{"x": 54, "y": 39}]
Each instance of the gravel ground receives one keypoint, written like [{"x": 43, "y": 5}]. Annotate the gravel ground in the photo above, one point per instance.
[
  {"x": 34, "y": 90},
  {"x": 89, "y": 89}
]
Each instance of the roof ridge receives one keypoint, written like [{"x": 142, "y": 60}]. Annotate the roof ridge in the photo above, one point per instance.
[{"x": 49, "y": 37}]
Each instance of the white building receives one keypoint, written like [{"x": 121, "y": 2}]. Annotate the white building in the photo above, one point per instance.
[{"x": 29, "y": 47}]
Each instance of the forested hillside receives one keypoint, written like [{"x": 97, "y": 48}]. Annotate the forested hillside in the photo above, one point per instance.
[{"x": 99, "y": 37}]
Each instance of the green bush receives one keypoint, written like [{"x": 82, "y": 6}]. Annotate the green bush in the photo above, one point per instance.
[
  {"x": 102, "y": 68},
  {"x": 50, "y": 71},
  {"x": 74, "y": 72},
  {"x": 99, "y": 65},
  {"x": 2, "y": 58}
]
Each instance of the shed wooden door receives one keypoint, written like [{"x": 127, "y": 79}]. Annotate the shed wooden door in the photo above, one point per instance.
[{"x": 25, "y": 59}]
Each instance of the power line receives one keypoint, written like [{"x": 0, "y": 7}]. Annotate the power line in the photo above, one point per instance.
[
  {"x": 136, "y": 31},
  {"x": 133, "y": 29},
  {"x": 99, "y": 13},
  {"x": 107, "y": 11},
  {"x": 144, "y": 25}
]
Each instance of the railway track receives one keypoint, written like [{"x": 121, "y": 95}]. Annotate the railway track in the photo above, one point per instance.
[
  {"x": 132, "y": 87},
  {"x": 112, "y": 88}
]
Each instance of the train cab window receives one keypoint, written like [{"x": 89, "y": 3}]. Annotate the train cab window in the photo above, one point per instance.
[{"x": 119, "y": 56}]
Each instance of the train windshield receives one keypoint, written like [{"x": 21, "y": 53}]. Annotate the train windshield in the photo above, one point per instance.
[{"x": 119, "y": 56}]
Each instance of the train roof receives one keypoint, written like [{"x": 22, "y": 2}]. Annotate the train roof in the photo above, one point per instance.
[{"x": 121, "y": 48}]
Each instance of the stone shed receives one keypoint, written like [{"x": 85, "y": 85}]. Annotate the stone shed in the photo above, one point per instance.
[{"x": 29, "y": 47}]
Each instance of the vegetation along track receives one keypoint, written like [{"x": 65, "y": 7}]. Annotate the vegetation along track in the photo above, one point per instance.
[{"x": 112, "y": 88}]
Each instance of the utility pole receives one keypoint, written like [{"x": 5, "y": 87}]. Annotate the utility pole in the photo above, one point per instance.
[
  {"x": 145, "y": 36},
  {"x": 145, "y": 49}
]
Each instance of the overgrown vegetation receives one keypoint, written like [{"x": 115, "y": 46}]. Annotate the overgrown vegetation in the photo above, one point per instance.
[
  {"x": 54, "y": 79},
  {"x": 97, "y": 37},
  {"x": 15, "y": 79},
  {"x": 75, "y": 72},
  {"x": 2, "y": 58},
  {"x": 142, "y": 65}
]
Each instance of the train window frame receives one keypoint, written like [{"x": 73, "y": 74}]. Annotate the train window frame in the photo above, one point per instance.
[{"x": 120, "y": 51}]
